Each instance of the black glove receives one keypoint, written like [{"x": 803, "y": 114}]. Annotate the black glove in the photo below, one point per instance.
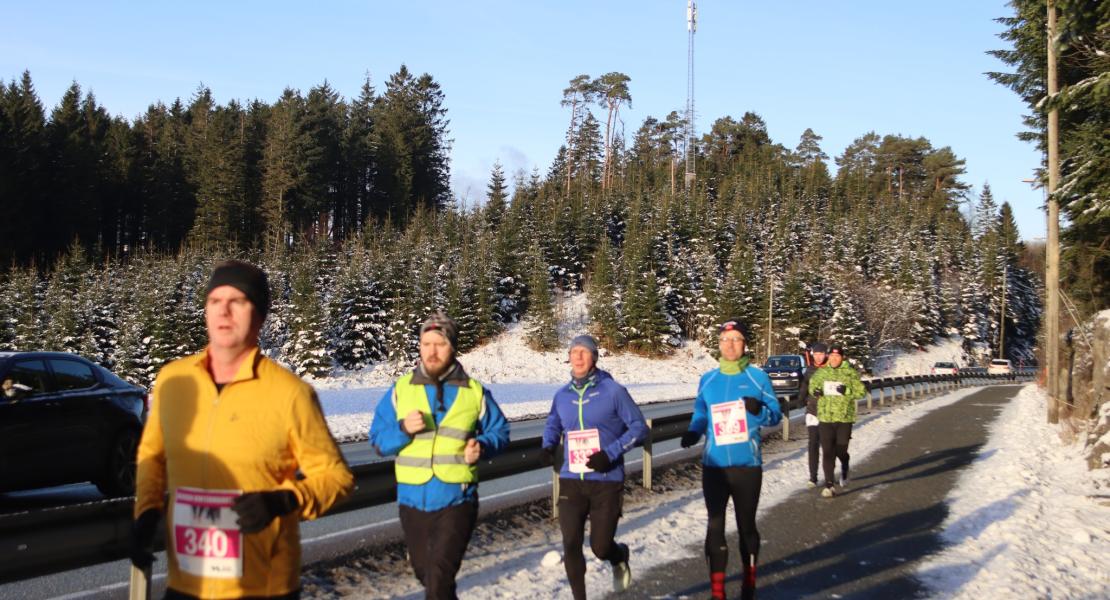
[
  {"x": 599, "y": 461},
  {"x": 143, "y": 530},
  {"x": 689, "y": 439},
  {"x": 547, "y": 456},
  {"x": 817, "y": 393},
  {"x": 840, "y": 388},
  {"x": 257, "y": 509},
  {"x": 753, "y": 405}
]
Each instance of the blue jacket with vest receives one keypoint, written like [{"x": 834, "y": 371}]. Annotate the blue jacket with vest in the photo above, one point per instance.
[
  {"x": 387, "y": 437},
  {"x": 599, "y": 403},
  {"x": 717, "y": 387}
]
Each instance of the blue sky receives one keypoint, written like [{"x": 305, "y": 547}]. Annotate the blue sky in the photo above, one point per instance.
[{"x": 840, "y": 68}]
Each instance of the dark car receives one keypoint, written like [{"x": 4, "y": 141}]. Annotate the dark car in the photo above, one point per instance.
[
  {"x": 64, "y": 419},
  {"x": 786, "y": 372}
]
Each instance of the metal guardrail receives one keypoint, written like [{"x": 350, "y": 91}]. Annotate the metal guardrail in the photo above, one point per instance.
[{"x": 57, "y": 539}]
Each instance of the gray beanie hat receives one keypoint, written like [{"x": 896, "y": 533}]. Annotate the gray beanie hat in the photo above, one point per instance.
[
  {"x": 587, "y": 342},
  {"x": 440, "y": 323}
]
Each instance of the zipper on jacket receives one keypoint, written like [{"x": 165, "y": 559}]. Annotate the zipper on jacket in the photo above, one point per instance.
[{"x": 581, "y": 422}]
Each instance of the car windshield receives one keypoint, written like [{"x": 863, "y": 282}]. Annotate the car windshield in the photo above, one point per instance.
[
  {"x": 1000, "y": 362},
  {"x": 945, "y": 366},
  {"x": 783, "y": 362}
]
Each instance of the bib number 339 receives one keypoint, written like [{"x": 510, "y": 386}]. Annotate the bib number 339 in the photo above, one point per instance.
[
  {"x": 580, "y": 446},
  {"x": 730, "y": 424},
  {"x": 207, "y": 541}
]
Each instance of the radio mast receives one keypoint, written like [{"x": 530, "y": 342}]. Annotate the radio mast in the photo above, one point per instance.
[{"x": 691, "y": 149}]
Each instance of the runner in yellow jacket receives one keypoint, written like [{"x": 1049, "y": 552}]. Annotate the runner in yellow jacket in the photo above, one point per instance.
[{"x": 227, "y": 433}]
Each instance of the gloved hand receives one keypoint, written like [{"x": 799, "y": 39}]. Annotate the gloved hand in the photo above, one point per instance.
[
  {"x": 599, "y": 461},
  {"x": 840, "y": 389},
  {"x": 143, "y": 530},
  {"x": 257, "y": 509},
  {"x": 753, "y": 405},
  {"x": 817, "y": 393},
  {"x": 689, "y": 439},
  {"x": 547, "y": 456}
]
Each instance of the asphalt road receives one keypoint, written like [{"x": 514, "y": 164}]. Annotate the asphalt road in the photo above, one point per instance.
[{"x": 866, "y": 542}]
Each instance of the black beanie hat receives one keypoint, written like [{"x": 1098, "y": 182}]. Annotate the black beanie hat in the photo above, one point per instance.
[
  {"x": 819, "y": 347},
  {"x": 246, "y": 278},
  {"x": 734, "y": 324}
]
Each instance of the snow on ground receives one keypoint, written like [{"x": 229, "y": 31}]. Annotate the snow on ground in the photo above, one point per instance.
[
  {"x": 521, "y": 380},
  {"x": 918, "y": 362},
  {"x": 518, "y": 562},
  {"x": 1027, "y": 519}
]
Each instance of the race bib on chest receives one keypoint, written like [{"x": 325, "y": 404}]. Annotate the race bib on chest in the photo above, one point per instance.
[
  {"x": 580, "y": 446},
  {"x": 730, "y": 426},
  {"x": 830, "y": 388},
  {"x": 206, "y": 539}
]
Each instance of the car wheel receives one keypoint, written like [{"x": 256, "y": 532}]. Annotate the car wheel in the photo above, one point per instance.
[{"x": 119, "y": 468}]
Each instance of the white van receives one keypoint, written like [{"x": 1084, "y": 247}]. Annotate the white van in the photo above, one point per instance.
[{"x": 999, "y": 366}]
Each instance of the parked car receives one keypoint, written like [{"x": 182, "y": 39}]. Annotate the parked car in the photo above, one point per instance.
[
  {"x": 945, "y": 368},
  {"x": 65, "y": 419},
  {"x": 786, "y": 372},
  {"x": 999, "y": 366}
]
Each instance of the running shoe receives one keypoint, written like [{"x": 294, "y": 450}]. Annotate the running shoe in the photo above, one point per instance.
[
  {"x": 622, "y": 574},
  {"x": 827, "y": 492}
]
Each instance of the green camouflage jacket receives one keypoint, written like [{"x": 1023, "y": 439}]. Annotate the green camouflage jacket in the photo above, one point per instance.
[{"x": 832, "y": 408}]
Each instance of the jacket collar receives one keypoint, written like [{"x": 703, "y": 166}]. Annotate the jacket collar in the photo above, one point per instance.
[
  {"x": 455, "y": 375},
  {"x": 247, "y": 370}
]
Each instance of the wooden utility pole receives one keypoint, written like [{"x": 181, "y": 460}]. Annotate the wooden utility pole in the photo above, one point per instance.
[
  {"x": 1052, "y": 247},
  {"x": 770, "y": 316},
  {"x": 1002, "y": 316}
]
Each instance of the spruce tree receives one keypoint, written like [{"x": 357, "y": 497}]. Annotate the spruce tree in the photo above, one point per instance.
[
  {"x": 541, "y": 333},
  {"x": 604, "y": 299}
]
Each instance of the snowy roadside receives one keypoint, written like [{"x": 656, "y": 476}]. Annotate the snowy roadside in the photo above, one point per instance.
[
  {"x": 1027, "y": 518},
  {"x": 519, "y": 557}
]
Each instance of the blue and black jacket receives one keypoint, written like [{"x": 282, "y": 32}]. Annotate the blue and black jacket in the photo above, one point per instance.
[
  {"x": 599, "y": 403},
  {"x": 718, "y": 386}
]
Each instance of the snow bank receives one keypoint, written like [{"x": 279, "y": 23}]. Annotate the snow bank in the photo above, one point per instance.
[{"x": 1027, "y": 519}]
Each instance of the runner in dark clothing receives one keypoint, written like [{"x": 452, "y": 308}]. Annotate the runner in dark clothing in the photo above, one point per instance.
[{"x": 818, "y": 354}]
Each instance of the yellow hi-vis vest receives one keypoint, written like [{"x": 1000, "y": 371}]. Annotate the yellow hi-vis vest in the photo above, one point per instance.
[{"x": 438, "y": 450}]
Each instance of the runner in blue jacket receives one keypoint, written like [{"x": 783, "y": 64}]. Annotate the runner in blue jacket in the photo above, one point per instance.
[
  {"x": 733, "y": 402},
  {"x": 596, "y": 421}
]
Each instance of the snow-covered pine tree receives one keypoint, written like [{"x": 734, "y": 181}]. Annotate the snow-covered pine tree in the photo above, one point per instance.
[
  {"x": 603, "y": 297},
  {"x": 100, "y": 307},
  {"x": 541, "y": 333},
  {"x": 22, "y": 309},
  {"x": 740, "y": 294},
  {"x": 356, "y": 312},
  {"x": 647, "y": 329},
  {"x": 306, "y": 350},
  {"x": 65, "y": 323},
  {"x": 848, "y": 330}
]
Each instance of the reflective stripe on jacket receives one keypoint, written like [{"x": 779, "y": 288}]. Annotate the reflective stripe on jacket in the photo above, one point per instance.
[{"x": 438, "y": 450}]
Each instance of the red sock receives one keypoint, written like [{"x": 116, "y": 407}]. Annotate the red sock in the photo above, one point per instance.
[
  {"x": 749, "y": 577},
  {"x": 717, "y": 585}
]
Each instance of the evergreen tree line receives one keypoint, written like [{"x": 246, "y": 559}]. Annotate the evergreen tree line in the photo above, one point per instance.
[
  {"x": 876, "y": 257},
  {"x": 242, "y": 175},
  {"x": 1083, "y": 106}
]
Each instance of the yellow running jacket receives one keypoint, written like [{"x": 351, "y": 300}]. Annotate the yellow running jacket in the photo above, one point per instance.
[{"x": 200, "y": 448}]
